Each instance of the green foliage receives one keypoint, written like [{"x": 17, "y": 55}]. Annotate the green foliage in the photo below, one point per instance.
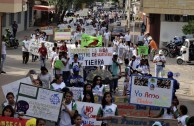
[{"x": 189, "y": 28}]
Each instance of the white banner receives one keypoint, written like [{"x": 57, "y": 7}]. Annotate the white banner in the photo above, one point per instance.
[
  {"x": 93, "y": 56},
  {"x": 14, "y": 86},
  {"x": 89, "y": 112},
  {"x": 39, "y": 102},
  {"x": 48, "y": 30},
  {"x": 151, "y": 91}
]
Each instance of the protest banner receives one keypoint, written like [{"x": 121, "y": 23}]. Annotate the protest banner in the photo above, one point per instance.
[
  {"x": 39, "y": 102},
  {"x": 151, "y": 91},
  {"x": 124, "y": 108},
  {"x": 62, "y": 34},
  {"x": 93, "y": 56},
  {"x": 48, "y": 30},
  {"x": 140, "y": 121},
  {"x": 77, "y": 92},
  {"x": 91, "y": 41},
  {"x": 14, "y": 86},
  {"x": 89, "y": 111},
  {"x": 142, "y": 50},
  {"x": 34, "y": 46},
  {"x": 8, "y": 121}
]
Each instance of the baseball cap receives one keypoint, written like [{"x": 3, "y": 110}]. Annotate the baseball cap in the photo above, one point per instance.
[{"x": 161, "y": 52}]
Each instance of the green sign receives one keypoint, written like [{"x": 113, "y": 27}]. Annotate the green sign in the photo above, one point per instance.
[
  {"x": 143, "y": 50},
  {"x": 88, "y": 41}
]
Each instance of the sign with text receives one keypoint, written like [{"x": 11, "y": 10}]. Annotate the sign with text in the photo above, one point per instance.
[
  {"x": 48, "y": 30},
  {"x": 14, "y": 86},
  {"x": 142, "y": 50},
  {"x": 39, "y": 102},
  {"x": 140, "y": 121},
  {"x": 8, "y": 121},
  {"x": 151, "y": 91},
  {"x": 77, "y": 92},
  {"x": 62, "y": 34},
  {"x": 93, "y": 56},
  {"x": 89, "y": 111}
]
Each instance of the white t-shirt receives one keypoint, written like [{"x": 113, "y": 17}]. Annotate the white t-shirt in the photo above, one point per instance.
[
  {"x": 65, "y": 117},
  {"x": 144, "y": 69},
  {"x": 109, "y": 110},
  {"x": 158, "y": 58},
  {"x": 140, "y": 38},
  {"x": 182, "y": 119},
  {"x": 65, "y": 68},
  {"x": 106, "y": 35},
  {"x": 97, "y": 90},
  {"x": 3, "y": 51},
  {"x": 127, "y": 37},
  {"x": 134, "y": 65},
  {"x": 26, "y": 44},
  {"x": 58, "y": 87}
]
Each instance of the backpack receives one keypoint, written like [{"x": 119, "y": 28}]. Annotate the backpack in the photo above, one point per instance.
[
  {"x": 76, "y": 113},
  {"x": 58, "y": 64}
]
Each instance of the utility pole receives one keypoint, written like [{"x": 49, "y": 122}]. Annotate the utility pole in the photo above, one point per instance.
[{"x": 1, "y": 15}]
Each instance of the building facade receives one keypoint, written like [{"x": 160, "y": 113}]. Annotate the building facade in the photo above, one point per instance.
[
  {"x": 16, "y": 10},
  {"x": 165, "y": 18}
]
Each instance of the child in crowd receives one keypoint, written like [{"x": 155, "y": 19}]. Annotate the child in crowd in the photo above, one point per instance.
[
  {"x": 8, "y": 111},
  {"x": 88, "y": 97},
  {"x": 108, "y": 109},
  {"x": 10, "y": 100},
  {"x": 98, "y": 88},
  {"x": 59, "y": 84},
  {"x": 183, "y": 117},
  {"x": 40, "y": 122},
  {"x": 68, "y": 109},
  {"x": 77, "y": 120}
]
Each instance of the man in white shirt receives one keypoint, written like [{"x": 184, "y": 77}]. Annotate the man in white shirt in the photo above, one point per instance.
[
  {"x": 106, "y": 36},
  {"x": 127, "y": 38},
  {"x": 160, "y": 61},
  {"x": 25, "y": 52},
  {"x": 3, "y": 55}
]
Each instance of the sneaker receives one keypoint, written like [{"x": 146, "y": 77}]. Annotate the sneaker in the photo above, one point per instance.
[{"x": 3, "y": 72}]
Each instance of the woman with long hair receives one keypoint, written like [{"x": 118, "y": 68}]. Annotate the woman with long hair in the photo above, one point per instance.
[{"x": 98, "y": 88}]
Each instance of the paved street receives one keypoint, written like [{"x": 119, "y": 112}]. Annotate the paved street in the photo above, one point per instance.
[{"x": 16, "y": 70}]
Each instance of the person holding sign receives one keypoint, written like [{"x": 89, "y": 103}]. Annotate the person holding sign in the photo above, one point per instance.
[
  {"x": 10, "y": 100},
  {"x": 68, "y": 110},
  {"x": 108, "y": 110}
]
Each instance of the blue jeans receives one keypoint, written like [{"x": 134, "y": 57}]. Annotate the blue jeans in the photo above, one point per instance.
[
  {"x": 42, "y": 61},
  {"x": 3, "y": 57},
  {"x": 158, "y": 69},
  {"x": 113, "y": 85}
]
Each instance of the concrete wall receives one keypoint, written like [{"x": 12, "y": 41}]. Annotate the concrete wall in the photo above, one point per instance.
[
  {"x": 12, "y": 6},
  {"x": 170, "y": 29},
  {"x": 183, "y": 7}
]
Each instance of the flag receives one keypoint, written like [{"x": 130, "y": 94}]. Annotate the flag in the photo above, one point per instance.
[{"x": 91, "y": 41}]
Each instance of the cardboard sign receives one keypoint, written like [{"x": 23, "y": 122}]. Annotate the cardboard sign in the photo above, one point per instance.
[
  {"x": 93, "y": 56},
  {"x": 151, "y": 91},
  {"x": 34, "y": 46},
  {"x": 143, "y": 50},
  {"x": 77, "y": 92},
  {"x": 140, "y": 121},
  {"x": 91, "y": 41},
  {"x": 62, "y": 34},
  {"x": 8, "y": 121},
  {"x": 14, "y": 86},
  {"x": 48, "y": 30},
  {"x": 39, "y": 102},
  {"x": 89, "y": 112}
]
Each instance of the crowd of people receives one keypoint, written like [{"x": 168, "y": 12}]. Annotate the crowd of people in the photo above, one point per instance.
[{"x": 65, "y": 73}]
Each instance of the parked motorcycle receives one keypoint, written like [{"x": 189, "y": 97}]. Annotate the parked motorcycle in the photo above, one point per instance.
[
  {"x": 171, "y": 50},
  {"x": 10, "y": 41}
]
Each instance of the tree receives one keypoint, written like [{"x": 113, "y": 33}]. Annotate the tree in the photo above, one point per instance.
[
  {"x": 189, "y": 28},
  {"x": 61, "y": 6}
]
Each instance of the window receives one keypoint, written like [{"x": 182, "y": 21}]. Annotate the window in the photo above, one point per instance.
[
  {"x": 4, "y": 20},
  {"x": 19, "y": 18},
  {"x": 11, "y": 18}
]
